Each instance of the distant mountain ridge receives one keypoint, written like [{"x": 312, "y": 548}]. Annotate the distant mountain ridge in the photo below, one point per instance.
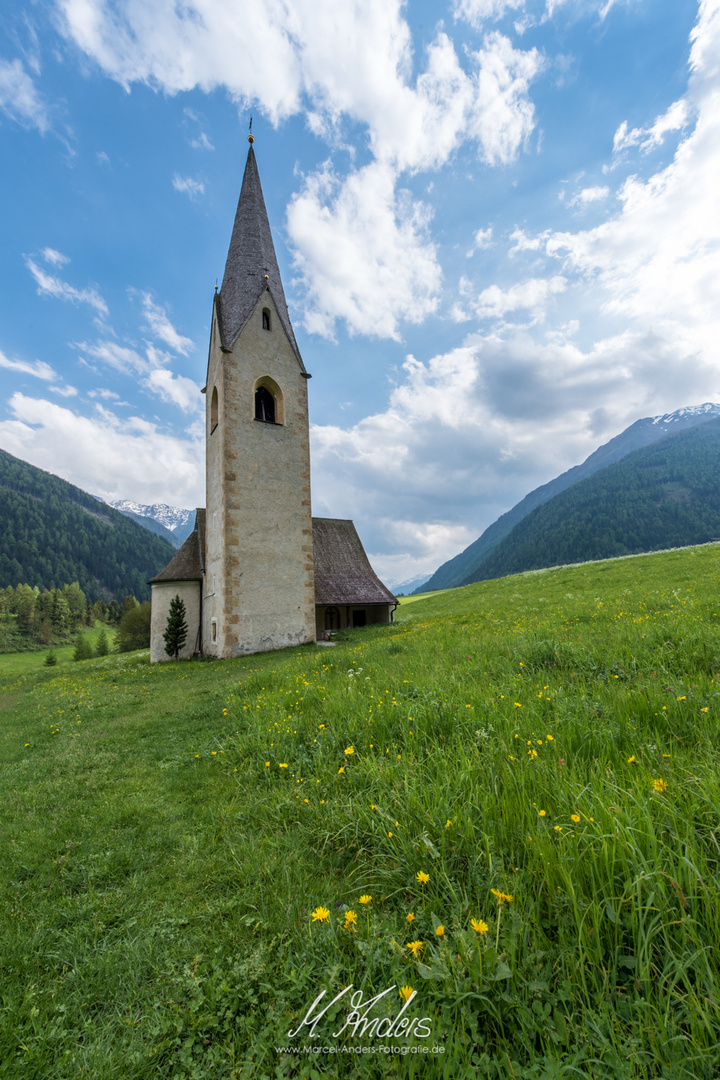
[
  {"x": 53, "y": 533},
  {"x": 661, "y": 496},
  {"x": 176, "y": 522},
  {"x": 645, "y": 432}
]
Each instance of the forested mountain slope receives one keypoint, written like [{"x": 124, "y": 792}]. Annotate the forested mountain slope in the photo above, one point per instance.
[
  {"x": 52, "y": 533},
  {"x": 666, "y": 495},
  {"x": 642, "y": 433}
]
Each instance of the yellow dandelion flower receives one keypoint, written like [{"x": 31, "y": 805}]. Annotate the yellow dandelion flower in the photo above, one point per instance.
[
  {"x": 542, "y": 813},
  {"x": 558, "y": 828},
  {"x": 410, "y": 917},
  {"x": 660, "y": 785},
  {"x": 365, "y": 898},
  {"x": 320, "y": 914},
  {"x": 350, "y": 919},
  {"x": 406, "y": 992},
  {"x": 631, "y": 760},
  {"x": 479, "y": 926},
  {"x": 349, "y": 750},
  {"x": 422, "y": 877},
  {"x": 550, "y": 738},
  {"x": 415, "y": 947},
  {"x": 440, "y": 930},
  {"x": 341, "y": 769},
  {"x": 575, "y": 818},
  {"x": 448, "y": 823},
  {"x": 501, "y": 896},
  {"x": 267, "y": 763},
  {"x": 282, "y": 765}
]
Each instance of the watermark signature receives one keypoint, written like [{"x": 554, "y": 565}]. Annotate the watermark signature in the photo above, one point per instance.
[{"x": 359, "y": 1022}]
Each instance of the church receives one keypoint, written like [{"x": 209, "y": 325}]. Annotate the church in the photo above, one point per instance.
[{"x": 258, "y": 572}]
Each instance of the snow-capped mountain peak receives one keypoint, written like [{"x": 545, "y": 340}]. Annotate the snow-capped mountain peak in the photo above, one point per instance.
[{"x": 171, "y": 517}]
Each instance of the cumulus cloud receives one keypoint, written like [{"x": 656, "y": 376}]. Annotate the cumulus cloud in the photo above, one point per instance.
[
  {"x": 19, "y": 98},
  {"x": 49, "y": 285},
  {"x": 532, "y": 296},
  {"x": 481, "y": 240},
  {"x": 589, "y": 195},
  {"x": 336, "y": 63},
  {"x": 111, "y": 457},
  {"x": 656, "y": 258},
  {"x": 187, "y": 186},
  {"x": 476, "y": 12},
  {"x": 159, "y": 324},
  {"x": 362, "y": 253},
  {"x": 176, "y": 389},
  {"x": 647, "y": 139},
  {"x": 37, "y": 368}
]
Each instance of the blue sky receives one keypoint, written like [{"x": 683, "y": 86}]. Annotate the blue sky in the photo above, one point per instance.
[{"x": 497, "y": 223}]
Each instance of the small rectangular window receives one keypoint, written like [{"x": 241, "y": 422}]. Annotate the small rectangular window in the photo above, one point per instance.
[{"x": 213, "y": 629}]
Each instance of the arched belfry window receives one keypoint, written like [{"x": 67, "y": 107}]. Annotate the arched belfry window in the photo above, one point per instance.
[
  {"x": 268, "y": 401},
  {"x": 266, "y": 319},
  {"x": 264, "y": 405},
  {"x": 214, "y": 410}
]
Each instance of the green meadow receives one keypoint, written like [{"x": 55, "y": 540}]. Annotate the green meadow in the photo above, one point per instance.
[{"x": 504, "y": 808}]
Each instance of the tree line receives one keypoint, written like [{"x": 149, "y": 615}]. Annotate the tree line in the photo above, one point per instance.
[{"x": 31, "y": 618}]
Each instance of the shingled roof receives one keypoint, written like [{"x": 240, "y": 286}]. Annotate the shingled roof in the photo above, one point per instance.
[
  {"x": 251, "y": 256},
  {"x": 188, "y": 563},
  {"x": 343, "y": 574}
]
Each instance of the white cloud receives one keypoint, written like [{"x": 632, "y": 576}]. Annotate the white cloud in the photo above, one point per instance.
[
  {"x": 176, "y": 389},
  {"x": 55, "y": 258},
  {"x": 481, "y": 240},
  {"x": 532, "y": 295},
  {"x": 120, "y": 357},
  {"x": 335, "y": 63},
  {"x": 48, "y": 285},
  {"x": 656, "y": 259},
  {"x": 19, "y": 99},
  {"x": 523, "y": 242},
  {"x": 187, "y": 186},
  {"x": 65, "y": 391},
  {"x": 476, "y": 12},
  {"x": 503, "y": 116},
  {"x": 160, "y": 325},
  {"x": 38, "y": 368},
  {"x": 107, "y": 456},
  {"x": 647, "y": 139},
  {"x": 589, "y": 195},
  {"x": 362, "y": 253}
]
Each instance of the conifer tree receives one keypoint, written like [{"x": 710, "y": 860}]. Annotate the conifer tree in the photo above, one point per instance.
[
  {"x": 176, "y": 630},
  {"x": 102, "y": 647},
  {"x": 83, "y": 648}
]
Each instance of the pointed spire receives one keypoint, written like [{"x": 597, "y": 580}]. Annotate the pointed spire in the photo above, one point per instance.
[{"x": 251, "y": 265}]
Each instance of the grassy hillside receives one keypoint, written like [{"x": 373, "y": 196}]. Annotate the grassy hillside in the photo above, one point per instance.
[
  {"x": 520, "y": 778},
  {"x": 52, "y": 533},
  {"x": 662, "y": 496}
]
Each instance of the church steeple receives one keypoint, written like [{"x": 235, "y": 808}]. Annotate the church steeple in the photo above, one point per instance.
[{"x": 251, "y": 265}]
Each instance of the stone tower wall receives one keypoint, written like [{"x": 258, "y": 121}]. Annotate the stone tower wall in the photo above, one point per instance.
[{"x": 259, "y": 578}]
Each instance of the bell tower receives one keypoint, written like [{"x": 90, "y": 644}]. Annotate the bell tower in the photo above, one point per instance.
[{"x": 258, "y": 586}]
